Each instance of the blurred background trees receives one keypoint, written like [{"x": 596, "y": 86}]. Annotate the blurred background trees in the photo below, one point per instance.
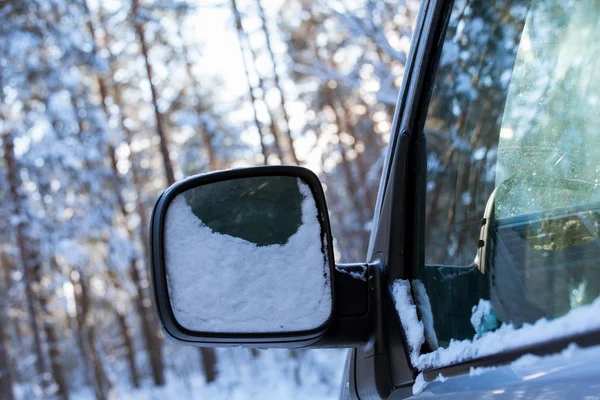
[{"x": 103, "y": 104}]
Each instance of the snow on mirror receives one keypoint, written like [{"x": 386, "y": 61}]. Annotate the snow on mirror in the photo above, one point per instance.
[{"x": 247, "y": 256}]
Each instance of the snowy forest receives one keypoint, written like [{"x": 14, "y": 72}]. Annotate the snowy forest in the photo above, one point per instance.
[{"x": 104, "y": 104}]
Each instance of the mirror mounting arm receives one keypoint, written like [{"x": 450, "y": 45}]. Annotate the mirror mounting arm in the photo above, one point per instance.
[
  {"x": 351, "y": 295},
  {"x": 354, "y": 299}
]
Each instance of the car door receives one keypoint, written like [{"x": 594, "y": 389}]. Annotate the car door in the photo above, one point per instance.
[{"x": 486, "y": 228}]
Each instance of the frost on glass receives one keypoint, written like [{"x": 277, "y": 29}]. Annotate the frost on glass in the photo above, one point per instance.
[
  {"x": 549, "y": 147},
  {"x": 247, "y": 256}
]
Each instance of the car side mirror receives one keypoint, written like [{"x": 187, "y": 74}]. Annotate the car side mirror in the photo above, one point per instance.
[{"x": 244, "y": 257}]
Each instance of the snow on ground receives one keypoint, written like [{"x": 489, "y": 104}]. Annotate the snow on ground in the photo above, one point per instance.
[
  {"x": 276, "y": 288},
  {"x": 274, "y": 374}
]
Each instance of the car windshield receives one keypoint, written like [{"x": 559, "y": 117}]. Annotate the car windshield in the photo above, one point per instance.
[
  {"x": 513, "y": 191},
  {"x": 548, "y": 135}
]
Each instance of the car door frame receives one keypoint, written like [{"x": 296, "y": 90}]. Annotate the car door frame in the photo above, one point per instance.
[{"x": 383, "y": 366}]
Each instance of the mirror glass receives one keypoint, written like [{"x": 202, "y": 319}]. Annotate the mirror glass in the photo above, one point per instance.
[{"x": 247, "y": 255}]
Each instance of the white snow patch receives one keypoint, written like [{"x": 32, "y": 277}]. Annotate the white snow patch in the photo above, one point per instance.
[
  {"x": 479, "y": 312},
  {"x": 220, "y": 283},
  {"x": 578, "y": 320},
  {"x": 476, "y": 371},
  {"x": 413, "y": 328},
  {"x": 483, "y": 318},
  {"x": 362, "y": 275},
  {"x": 506, "y": 337},
  {"x": 424, "y": 307},
  {"x": 420, "y": 384},
  {"x": 528, "y": 360}
]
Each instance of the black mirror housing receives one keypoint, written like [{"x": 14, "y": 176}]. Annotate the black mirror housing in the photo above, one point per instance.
[{"x": 174, "y": 326}]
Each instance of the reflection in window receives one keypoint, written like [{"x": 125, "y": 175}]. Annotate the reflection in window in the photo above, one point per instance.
[
  {"x": 265, "y": 210},
  {"x": 463, "y": 124}
]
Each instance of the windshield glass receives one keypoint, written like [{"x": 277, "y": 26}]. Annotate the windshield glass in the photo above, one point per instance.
[
  {"x": 549, "y": 139},
  {"x": 513, "y": 161}
]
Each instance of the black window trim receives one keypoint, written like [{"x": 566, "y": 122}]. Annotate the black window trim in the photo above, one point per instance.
[
  {"x": 378, "y": 375},
  {"x": 410, "y": 173},
  {"x": 389, "y": 370}
]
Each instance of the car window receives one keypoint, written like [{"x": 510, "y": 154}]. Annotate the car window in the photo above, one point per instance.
[{"x": 513, "y": 155}]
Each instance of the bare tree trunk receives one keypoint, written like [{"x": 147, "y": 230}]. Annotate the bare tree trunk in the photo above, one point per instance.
[
  {"x": 51, "y": 337},
  {"x": 205, "y": 135},
  {"x": 273, "y": 126},
  {"x": 164, "y": 147},
  {"x": 273, "y": 129},
  {"x": 86, "y": 323},
  {"x": 34, "y": 269},
  {"x": 133, "y": 370},
  {"x": 334, "y": 209},
  {"x": 8, "y": 372},
  {"x": 52, "y": 340},
  {"x": 208, "y": 360},
  {"x": 360, "y": 163},
  {"x": 17, "y": 200},
  {"x": 102, "y": 383},
  {"x": 100, "y": 379},
  {"x": 130, "y": 352},
  {"x": 81, "y": 343},
  {"x": 55, "y": 363},
  {"x": 286, "y": 117},
  {"x": 346, "y": 166},
  {"x": 348, "y": 127},
  {"x": 150, "y": 330},
  {"x": 6, "y": 380},
  {"x": 130, "y": 348},
  {"x": 242, "y": 38}
]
